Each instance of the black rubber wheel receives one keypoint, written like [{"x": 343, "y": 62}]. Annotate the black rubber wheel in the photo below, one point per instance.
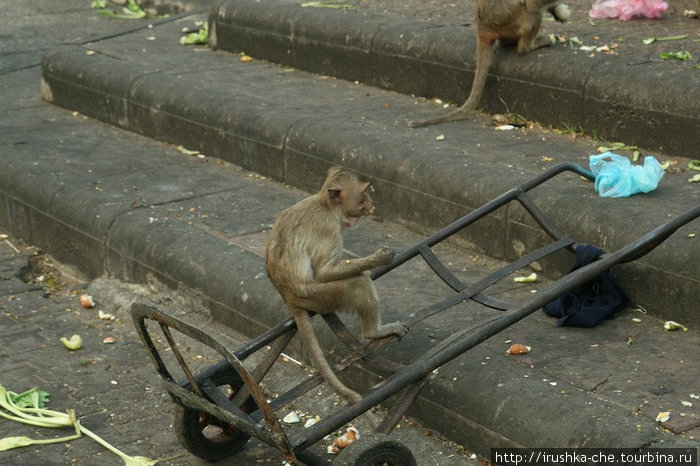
[
  {"x": 376, "y": 450},
  {"x": 204, "y": 435}
]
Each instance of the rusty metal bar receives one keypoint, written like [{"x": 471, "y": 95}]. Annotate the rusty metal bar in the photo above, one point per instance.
[
  {"x": 265, "y": 364},
  {"x": 142, "y": 311},
  {"x": 440, "y": 269},
  {"x": 550, "y": 228},
  {"x": 481, "y": 212},
  {"x": 398, "y": 409},
  {"x": 180, "y": 359}
]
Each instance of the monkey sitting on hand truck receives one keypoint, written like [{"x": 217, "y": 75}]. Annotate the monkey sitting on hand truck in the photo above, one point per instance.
[{"x": 305, "y": 263}]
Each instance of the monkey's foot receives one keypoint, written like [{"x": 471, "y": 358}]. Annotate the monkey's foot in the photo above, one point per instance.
[
  {"x": 397, "y": 328},
  {"x": 461, "y": 113}
]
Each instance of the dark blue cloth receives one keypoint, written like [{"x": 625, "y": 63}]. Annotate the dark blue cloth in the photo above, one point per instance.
[{"x": 592, "y": 302}]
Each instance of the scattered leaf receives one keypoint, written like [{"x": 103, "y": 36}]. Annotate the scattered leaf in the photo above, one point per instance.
[
  {"x": 694, "y": 165},
  {"x": 132, "y": 10},
  {"x": 615, "y": 146},
  {"x": 681, "y": 55},
  {"x": 651, "y": 40},
  {"x": 694, "y": 179},
  {"x": 329, "y": 4},
  {"x": 200, "y": 37},
  {"x": 187, "y": 151}
]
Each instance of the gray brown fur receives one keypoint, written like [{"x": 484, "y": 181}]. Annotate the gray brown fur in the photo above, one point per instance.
[
  {"x": 511, "y": 22},
  {"x": 306, "y": 263}
]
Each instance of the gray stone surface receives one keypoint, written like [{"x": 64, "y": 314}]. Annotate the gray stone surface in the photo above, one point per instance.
[{"x": 109, "y": 202}]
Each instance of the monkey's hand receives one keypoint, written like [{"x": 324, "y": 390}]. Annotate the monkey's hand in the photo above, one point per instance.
[{"x": 382, "y": 256}]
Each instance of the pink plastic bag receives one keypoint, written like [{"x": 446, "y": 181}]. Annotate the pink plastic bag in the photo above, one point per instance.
[{"x": 627, "y": 9}]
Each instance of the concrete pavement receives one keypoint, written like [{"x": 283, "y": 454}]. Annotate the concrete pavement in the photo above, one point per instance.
[{"x": 105, "y": 201}]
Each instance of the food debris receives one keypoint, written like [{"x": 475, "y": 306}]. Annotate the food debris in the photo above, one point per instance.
[
  {"x": 670, "y": 325},
  {"x": 105, "y": 315},
  {"x": 87, "y": 301},
  {"x": 311, "y": 421},
  {"x": 245, "y": 58},
  {"x": 348, "y": 438},
  {"x": 517, "y": 348},
  {"x": 651, "y": 40},
  {"x": 75, "y": 342},
  {"x": 663, "y": 416},
  {"x": 291, "y": 418},
  {"x": 109, "y": 340},
  {"x": 532, "y": 278}
]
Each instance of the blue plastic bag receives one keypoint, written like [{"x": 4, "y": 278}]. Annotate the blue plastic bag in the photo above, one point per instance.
[{"x": 615, "y": 176}]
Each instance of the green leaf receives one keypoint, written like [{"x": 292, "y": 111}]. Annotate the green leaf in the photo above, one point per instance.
[
  {"x": 651, "y": 40},
  {"x": 200, "y": 37},
  {"x": 8, "y": 443},
  {"x": 682, "y": 55},
  {"x": 33, "y": 398}
]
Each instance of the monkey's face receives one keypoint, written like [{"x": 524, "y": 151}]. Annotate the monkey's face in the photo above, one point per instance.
[{"x": 355, "y": 202}]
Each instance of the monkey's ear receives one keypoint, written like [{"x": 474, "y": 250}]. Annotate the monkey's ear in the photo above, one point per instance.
[{"x": 334, "y": 194}]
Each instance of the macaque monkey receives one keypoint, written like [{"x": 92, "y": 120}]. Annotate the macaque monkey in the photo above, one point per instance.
[
  {"x": 511, "y": 22},
  {"x": 305, "y": 262}
]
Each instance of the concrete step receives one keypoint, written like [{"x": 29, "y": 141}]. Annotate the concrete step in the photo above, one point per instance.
[
  {"x": 623, "y": 93},
  {"x": 291, "y": 125}
]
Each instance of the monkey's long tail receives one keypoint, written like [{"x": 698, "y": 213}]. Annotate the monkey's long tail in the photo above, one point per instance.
[
  {"x": 484, "y": 55},
  {"x": 303, "y": 320}
]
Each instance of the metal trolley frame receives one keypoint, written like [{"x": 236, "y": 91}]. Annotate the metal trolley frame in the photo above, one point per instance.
[{"x": 242, "y": 411}]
